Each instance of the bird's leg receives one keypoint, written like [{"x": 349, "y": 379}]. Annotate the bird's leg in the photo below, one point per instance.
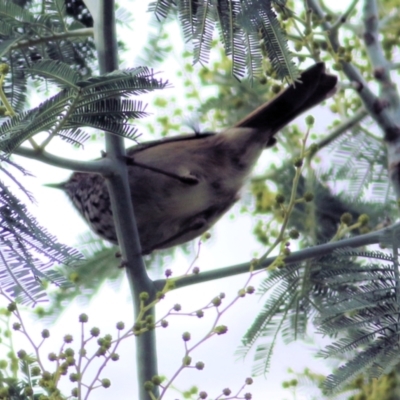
[{"x": 187, "y": 179}]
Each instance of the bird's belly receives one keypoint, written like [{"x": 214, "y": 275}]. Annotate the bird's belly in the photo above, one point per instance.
[{"x": 179, "y": 212}]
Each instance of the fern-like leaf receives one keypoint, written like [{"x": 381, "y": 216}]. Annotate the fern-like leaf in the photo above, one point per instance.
[{"x": 56, "y": 72}]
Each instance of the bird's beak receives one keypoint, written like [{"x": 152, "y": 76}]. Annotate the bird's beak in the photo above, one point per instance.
[{"x": 55, "y": 185}]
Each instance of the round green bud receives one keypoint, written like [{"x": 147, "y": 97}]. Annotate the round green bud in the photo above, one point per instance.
[
  {"x": 69, "y": 352},
  {"x": 248, "y": 396},
  {"x": 199, "y": 365},
  {"x": 276, "y": 88},
  {"x": 177, "y": 307},
  {"x": 144, "y": 296},
  {"x": 46, "y": 333},
  {"x": 149, "y": 386},
  {"x": 168, "y": 273},
  {"x": 74, "y": 377},
  {"x": 280, "y": 263},
  {"x": 187, "y": 360},
  {"x": 160, "y": 295},
  {"x": 221, "y": 329},
  {"x": 3, "y": 364},
  {"x": 196, "y": 270},
  {"x": 70, "y": 361},
  {"x": 363, "y": 219},
  {"x": 216, "y": 301},
  {"x": 262, "y": 80},
  {"x": 106, "y": 383},
  {"x": 280, "y": 198},
  {"x": 250, "y": 289},
  {"x": 249, "y": 381},
  {"x": 164, "y": 323},
  {"x": 200, "y": 313},
  {"x": 294, "y": 234},
  {"x": 4, "y": 69},
  {"x": 83, "y": 318},
  {"x": 226, "y": 391},
  {"x": 222, "y": 295},
  {"x": 346, "y": 218},
  {"x": 313, "y": 147},
  {"x": 294, "y": 382},
  {"x": 156, "y": 380},
  {"x": 74, "y": 277},
  {"x": 16, "y": 326},
  {"x": 107, "y": 344},
  {"x": 242, "y": 293},
  {"x": 286, "y": 251},
  {"x": 64, "y": 367},
  {"x": 120, "y": 325},
  {"x": 310, "y": 120},
  {"x": 68, "y": 338},
  {"x": 151, "y": 326},
  {"x": 12, "y": 307},
  {"x": 75, "y": 392},
  {"x": 308, "y": 196},
  {"x": 298, "y": 46},
  {"x": 101, "y": 351},
  {"x": 52, "y": 357},
  {"x": 28, "y": 391},
  {"x": 21, "y": 354},
  {"x": 46, "y": 375},
  {"x": 334, "y": 108},
  {"x": 95, "y": 331},
  {"x": 298, "y": 162},
  {"x": 36, "y": 371},
  {"x": 203, "y": 395},
  {"x": 186, "y": 336},
  {"x": 114, "y": 357}
]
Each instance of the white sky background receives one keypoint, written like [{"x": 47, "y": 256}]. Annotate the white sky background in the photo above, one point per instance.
[{"x": 232, "y": 243}]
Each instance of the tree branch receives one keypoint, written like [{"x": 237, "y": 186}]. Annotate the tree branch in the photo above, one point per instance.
[
  {"x": 101, "y": 166},
  {"x": 84, "y": 32},
  {"x": 382, "y": 236},
  {"x": 122, "y": 207},
  {"x": 380, "y": 114},
  {"x": 387, "y": 88}
]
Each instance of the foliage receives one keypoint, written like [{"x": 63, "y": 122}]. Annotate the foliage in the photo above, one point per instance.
[
  {"x": 349, "y": 295},
  {"x": 242, "y": 26}
]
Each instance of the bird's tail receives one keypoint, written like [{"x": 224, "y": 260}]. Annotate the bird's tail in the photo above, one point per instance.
[{"x": 313, "y": 86}]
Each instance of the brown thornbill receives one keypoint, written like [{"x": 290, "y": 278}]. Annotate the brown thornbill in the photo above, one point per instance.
[{"x": 181, "y": 186}]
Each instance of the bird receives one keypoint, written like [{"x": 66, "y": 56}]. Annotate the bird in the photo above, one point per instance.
[{"x": 181, "y": 186}]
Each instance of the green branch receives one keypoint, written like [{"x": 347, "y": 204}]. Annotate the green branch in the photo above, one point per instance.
[
  {"x": 296, "y": 257},
  {"x": 85, "y": 32},
  {"x": 102, "y": 166}
]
